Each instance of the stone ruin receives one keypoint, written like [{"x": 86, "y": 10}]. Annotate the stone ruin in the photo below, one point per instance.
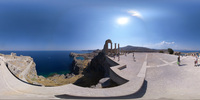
[{"x": 110, "y": 51}]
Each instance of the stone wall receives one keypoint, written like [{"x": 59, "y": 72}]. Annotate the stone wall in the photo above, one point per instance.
[{"x": 113, "y": 75}]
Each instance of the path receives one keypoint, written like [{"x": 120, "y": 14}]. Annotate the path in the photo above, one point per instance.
[{"x": 26, "y": 71}]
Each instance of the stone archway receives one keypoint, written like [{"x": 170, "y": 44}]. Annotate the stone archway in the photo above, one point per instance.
[{"x": 106, "y": 50}]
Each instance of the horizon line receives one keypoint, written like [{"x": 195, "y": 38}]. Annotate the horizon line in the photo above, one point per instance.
[
  {"x": 53, "y": 50},
  {"x": 90, "y": 50}
]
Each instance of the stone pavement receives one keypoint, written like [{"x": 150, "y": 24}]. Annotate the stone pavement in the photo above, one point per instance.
[
  {"x": 167, "y": 80},
  {"x": 132, "y": 67}
]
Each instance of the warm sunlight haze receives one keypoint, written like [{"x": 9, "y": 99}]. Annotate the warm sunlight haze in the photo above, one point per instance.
[{"x": 122, "y": 20}]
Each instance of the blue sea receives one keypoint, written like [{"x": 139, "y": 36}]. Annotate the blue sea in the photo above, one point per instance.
[
  {"x": 187, "y": 51},
  {"x": 49, "y": 62}
]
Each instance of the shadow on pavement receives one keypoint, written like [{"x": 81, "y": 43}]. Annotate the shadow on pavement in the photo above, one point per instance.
[
  {"x": 183, "y": 64},
  {"x": 138, "y": 94}
]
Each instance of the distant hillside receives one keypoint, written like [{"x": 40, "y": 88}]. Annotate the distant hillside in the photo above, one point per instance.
[{"x": 140, "y": 49}]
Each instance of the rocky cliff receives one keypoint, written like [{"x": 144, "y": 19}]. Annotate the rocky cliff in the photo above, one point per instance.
[
  {"x": 97, "y": 69},
  {"x": 23, "y": 67},
  {"x": 78, "y": 64},
  {"x": 87, "y": 73}
]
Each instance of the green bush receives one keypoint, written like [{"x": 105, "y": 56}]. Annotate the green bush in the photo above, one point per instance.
[
  {"x": 161, "y": 51},
  {"x": 170, "y": 51}
]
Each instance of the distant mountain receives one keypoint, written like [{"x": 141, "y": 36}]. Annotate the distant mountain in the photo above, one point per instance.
[{"x": 140, "y": 49}]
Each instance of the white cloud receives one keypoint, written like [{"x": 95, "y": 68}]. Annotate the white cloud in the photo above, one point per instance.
[
  {"x": 162, "y": 45},
  {"x": 135, "y": 13},
  {"x": 169, "y": 44},
  {"x": 165, "y": 43}
]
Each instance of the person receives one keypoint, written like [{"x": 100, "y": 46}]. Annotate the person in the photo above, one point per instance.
[
  {"x": 178, "y": 62},
  {"x": 133, "y": 57},
  {"x": 118, "y": 57},
  {"x": 114, "y": 56},
  {"x": 196, "y": 61}
]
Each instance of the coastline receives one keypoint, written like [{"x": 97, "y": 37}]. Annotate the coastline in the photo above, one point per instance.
[
  {"x": 53, "y": 79},
  {"x": 187, "y": 51},
  {"x": 49, "y": 62}
]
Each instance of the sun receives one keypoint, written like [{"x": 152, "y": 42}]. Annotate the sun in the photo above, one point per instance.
[{"x": 122, "y": 21}]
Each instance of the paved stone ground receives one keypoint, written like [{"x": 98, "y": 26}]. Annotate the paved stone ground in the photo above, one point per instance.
[
  {"x": 164, "y": 80},
  {"x": 171, "y": 81},
  {"x": 133, "y": 67}
]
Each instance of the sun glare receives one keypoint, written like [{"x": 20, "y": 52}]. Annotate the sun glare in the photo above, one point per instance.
[{"x": 122, "y": 21}]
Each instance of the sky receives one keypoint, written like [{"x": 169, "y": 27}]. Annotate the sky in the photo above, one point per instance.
[{"x": 87, "y": 24}]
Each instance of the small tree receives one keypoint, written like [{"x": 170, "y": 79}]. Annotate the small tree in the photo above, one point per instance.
[
  {"x": 170, "y": 51},
  {"x": 161, "y": 51}
]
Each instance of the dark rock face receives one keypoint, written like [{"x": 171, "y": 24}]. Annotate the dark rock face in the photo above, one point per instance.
[
  {"x": 96, "y": 70},
  {"x": 78, "y": 66},
  {"x": 75, "y": 69},
  {"x": 99, "y": 64}
]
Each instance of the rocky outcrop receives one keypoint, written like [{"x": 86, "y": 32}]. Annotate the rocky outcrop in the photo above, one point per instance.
[
  {"x": 97, "y": 69},
  {"x": 78, "y": 64},
  {"x": 57, "y": 80},
  {"x": 87, "y": 73},
  {"x": 23, "y": 67}
]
